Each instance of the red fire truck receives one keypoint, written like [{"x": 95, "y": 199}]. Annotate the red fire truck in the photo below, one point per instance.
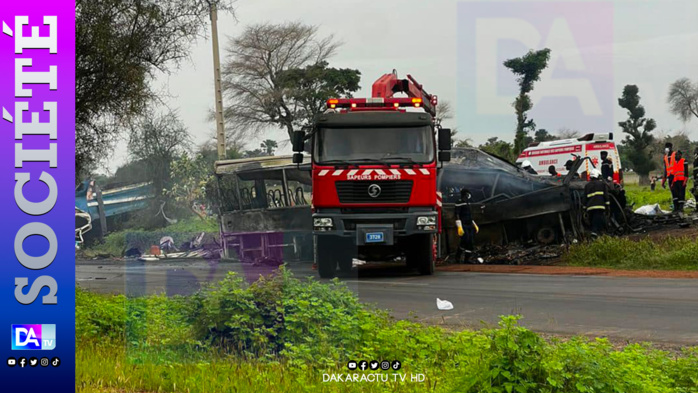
[{"x": 374, "y": 174}]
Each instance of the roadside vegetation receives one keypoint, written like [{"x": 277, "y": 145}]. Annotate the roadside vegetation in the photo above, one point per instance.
[
  {"x": 643, "y": 195},
  {"x": 281, "y": 334},
  {"x": 665, "y": 253}
]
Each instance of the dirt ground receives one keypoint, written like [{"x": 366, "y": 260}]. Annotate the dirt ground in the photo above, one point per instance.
[{"x": 568, "y": 270}]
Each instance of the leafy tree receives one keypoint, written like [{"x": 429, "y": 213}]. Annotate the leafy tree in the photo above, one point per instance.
[
  {"x": 122, "y": 46},
  {"x": 638, "y": 128},
  {"x": 156, "y": 142},
  {"x": 528, "y": 69},
  {"x": 467, "y": 142},
  {"x": 542, "y": 135},
  {"x": 269, "y": 146},
  {"x": 190, "y": 177},
  {"x": 499, "y": 148},
  {"x": 277, "y": 74},
  {"x": 683, "y": 99}
]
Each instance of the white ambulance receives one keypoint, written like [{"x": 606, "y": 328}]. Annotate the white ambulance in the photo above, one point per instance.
[{"x": 542, "y": 155}]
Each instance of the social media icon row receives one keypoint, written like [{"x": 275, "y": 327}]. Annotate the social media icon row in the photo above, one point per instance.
[
  {"x": 33, "y": 362},
  {"x": 373, "y": 365}
]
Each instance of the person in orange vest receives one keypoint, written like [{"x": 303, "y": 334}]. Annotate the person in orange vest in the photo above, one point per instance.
[
  {"x": 678, "y": 187},
  {"x": 669, "y": 161}
]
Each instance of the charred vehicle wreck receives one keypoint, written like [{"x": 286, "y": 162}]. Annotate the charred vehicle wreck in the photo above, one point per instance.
[
  {"x": 513, "y": 206},
  {"x": 264, "y": 209},
  {"x": 264, "y": 205}
]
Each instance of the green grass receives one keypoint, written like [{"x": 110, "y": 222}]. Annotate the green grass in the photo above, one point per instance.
[
  {"x": 668, "y": 253},
  {"x": 643, "y": 195},
  {"x": 282, "y": 334}
]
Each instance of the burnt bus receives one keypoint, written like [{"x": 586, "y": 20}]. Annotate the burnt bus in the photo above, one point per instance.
[{"x": 264, "y": 209}]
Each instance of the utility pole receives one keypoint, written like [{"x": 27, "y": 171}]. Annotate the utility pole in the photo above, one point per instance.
[{"x": 220, "y": 129}]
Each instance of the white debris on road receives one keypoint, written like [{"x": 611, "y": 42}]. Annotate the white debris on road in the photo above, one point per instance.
[{"x": 444, "y": 304}]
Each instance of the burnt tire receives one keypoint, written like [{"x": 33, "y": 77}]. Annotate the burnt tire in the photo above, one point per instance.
[
  {"x": 324, "y": 258},
  {"x": 421, "y": 254}
]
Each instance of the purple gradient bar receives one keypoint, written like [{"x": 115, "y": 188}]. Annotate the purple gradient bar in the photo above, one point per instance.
[{"x": 61, "y": 217}]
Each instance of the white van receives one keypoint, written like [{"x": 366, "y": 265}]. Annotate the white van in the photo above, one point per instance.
[{"x": 544, "y": 154}]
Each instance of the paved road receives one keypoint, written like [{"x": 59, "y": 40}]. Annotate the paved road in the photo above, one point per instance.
[{"x": 661, "y": 310}]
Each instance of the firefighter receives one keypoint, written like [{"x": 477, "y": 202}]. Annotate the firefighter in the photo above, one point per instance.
[
  {"x": 678, "y": 186},
  {"x": 606, "y": 167},
  {"x": 526, "y": 165},
  {"x": 597, "y": 202},
  {"x": 466, "y": 227},
  {"x": 669, "y": 161}
]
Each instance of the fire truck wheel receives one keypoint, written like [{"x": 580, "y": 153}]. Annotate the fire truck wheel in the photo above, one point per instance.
[
  {"x": 326, "y": 263},
  {"x": 421, "y": 254}
]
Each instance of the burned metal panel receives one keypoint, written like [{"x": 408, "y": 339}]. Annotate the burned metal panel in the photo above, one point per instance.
[{"x": 296, "y": 218}]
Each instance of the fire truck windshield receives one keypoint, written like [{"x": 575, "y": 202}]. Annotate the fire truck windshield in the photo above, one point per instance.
[{"x": 374, "y": 145}]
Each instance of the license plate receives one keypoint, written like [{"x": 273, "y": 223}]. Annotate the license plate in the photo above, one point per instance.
[{"x": 374, "y": 237}]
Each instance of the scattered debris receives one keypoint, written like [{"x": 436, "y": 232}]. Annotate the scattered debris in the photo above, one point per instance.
[
  {"x": 444, "y": 304},
  {"x": 651, "y": 210}
]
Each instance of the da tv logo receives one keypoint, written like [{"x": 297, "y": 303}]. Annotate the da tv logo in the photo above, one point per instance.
[{"x": 33, "y": 337}]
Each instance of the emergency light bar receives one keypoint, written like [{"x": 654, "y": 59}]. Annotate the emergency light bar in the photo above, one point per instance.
[{"x": 376, "y": 102}]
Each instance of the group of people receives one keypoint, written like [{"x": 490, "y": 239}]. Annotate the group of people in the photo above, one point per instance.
[
  {"x": 676, "y": 174},
  {"x": 597, "y": 197}
]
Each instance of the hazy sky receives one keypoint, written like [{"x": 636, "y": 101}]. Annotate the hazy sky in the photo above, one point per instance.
[{"x": 456, "y": 49}]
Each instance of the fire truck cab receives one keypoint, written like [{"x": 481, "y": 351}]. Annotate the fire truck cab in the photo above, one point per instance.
[
  {"x": 542, "y": 155},
  {"x": 374, "y": 175}
]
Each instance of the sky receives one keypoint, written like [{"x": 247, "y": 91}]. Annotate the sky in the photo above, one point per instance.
[{"x": 456, "y": 50}]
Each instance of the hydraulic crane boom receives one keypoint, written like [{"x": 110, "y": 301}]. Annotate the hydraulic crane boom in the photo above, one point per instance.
[{"x": 389, "y": 84}]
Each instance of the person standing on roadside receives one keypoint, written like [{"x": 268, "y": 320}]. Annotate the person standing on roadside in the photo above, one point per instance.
[
  {"x": 466, "y": 227},
  {"x": 680, "y": 180},
  {"x": 669, "y": 161}
]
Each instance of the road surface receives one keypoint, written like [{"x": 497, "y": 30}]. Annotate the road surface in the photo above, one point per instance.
[{"x": 636, "y": 309}]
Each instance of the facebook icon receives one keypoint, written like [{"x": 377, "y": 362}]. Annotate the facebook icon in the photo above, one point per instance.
[{"x": 33, "y": 337}]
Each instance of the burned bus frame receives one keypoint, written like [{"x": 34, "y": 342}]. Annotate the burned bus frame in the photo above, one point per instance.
[{"x": 264, "y": 209}]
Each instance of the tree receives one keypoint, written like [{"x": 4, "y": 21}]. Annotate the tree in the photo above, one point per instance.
[
  {"x": 444, "y": 112},
  {"x": 156, "y": 142},
  {"x": 683, "y": 99},
  {"x": 122, "y": 46},
  {"x": 639, "y": 137},
  {"x": 499, "y": 148},
  {"x": 277, "y": 74},
  {"x": 269, "y": 145},
  {"x": 542, "y": 135},
  {"x": 567, "y": 133},
  {"x": 190, "y": 179},
  {"x": 528, "y": 69}
]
